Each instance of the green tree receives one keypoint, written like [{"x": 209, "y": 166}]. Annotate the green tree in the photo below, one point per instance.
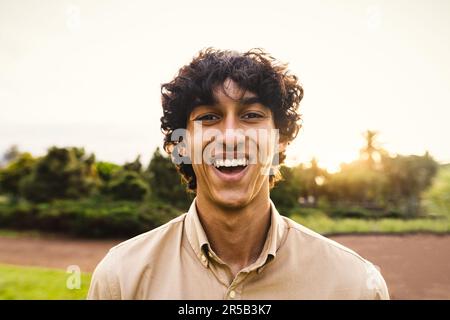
[
  {"x": 165, "y": 181},
  {"x": 311, "y": 179},
  {"x": 408, "y": 177},
  {"x": 356, "y": 185},
  {"x": 437, "y": 197},
  {"x": 11, "y": 154},
  {"x": 128, "y": 185},
  {"x": 135, "y": 165},
  {"x": 368, "y": 152},
  {"x": 286, "y": 192},
  {"x": 106, "y": 170},
  {"x": 63, "y": 173},
  {"x": 17, "y": 169},
  {"x": 128, "y": 182}
]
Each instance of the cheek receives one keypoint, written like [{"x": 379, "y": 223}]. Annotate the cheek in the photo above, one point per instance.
[
  {"x": 194, "y": 146},
  {"x": 268, "y": 145}
]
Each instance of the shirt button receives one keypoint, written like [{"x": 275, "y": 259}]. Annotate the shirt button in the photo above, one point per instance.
[{"x": 232, "y": 294}]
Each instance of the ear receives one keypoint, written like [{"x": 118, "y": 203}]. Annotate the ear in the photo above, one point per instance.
[
  {"x": 182, "y": 150},
  {"x": 282, "y": 146},
  {"x": 178, "y": 153},
  {"x": 276, "y": 160}
]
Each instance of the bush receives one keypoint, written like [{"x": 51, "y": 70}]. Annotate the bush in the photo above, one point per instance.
[
  {"x": 16, "y": 170},
  {"x": 166, "y": 183},
  {"x": 128, "y": 185},
  {"x": 63, "y": 173},
  {"x": 87, "y": 217},
  {"x": 437, "y": 198}
]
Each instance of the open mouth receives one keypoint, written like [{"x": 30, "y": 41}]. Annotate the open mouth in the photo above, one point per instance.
[{"x": 231, "y": 169}]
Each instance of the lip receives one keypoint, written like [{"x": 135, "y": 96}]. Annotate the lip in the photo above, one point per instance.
[{"x": 230, "y": 177}]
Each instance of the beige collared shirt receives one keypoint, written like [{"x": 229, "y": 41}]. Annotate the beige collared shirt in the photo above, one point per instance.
[{"x": 175, "y": 261}]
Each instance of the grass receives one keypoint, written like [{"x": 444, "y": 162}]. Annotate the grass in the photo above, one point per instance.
[
  {"x": 33, "y": 283},
  {"x": 8, "y": 233},
  {"x": 325, "y": 225}
]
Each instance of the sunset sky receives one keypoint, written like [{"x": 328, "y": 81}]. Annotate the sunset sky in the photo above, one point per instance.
[{"x": 88, "y": 73}]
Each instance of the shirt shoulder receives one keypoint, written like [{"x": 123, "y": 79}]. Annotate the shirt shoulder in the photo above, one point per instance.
[
  {"x": 130, "y": 259},
  {"x": 339, "y": 261}
]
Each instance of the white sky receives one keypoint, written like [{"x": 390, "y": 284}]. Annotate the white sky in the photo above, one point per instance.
[{"x": 88, "y": 73}]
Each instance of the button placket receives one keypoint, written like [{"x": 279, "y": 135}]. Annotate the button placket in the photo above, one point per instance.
[
  {"x": 204, "y": 260},
  {"x": 234, "y": 290},
  {"x": 233, "y": 294}
]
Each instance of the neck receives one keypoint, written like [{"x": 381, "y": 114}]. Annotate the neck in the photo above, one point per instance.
[{"x": 237, "y": 235}]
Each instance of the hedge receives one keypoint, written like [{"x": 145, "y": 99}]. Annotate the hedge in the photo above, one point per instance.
[{"x": 87, "y": 217}]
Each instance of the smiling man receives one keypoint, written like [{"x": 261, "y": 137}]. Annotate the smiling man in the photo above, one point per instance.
[{"x": 227, "y": 120}]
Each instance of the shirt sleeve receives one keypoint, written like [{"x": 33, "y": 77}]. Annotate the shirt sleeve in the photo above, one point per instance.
[
  {"x": 104, "y": 284},
  {"x": 382, "y": 292},
  {"x": 376, "y": 283}
]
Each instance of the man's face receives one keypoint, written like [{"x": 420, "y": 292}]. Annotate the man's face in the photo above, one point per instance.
[{"x": 236, "y": 145}]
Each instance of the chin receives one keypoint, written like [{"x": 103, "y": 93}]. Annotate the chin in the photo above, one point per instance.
[{"x": 232, "y": 199}]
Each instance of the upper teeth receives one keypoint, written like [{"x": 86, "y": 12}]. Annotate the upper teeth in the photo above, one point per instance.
[{"x": 230, "y": 162}]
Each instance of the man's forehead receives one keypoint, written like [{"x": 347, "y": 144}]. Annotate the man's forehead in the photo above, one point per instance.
[{"x": 230, "y": 90}]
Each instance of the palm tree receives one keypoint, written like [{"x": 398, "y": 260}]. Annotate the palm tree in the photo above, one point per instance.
[{"x": 368, "y": 152}]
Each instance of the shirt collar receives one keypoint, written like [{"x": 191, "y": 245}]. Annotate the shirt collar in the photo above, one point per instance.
[{"x": 199, "y": 242}]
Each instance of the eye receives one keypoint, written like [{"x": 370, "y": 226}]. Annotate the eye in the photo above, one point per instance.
[
  {"x": 207, "y": 117},
  {"x": 252, "y": 115}
]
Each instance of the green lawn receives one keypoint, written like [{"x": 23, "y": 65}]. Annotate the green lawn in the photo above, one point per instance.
[
  {"x": 17, "y": 282},
  {"x": 18, "y": 234},
  {"x": 30, "y": 283},
  {"x": 325, "y": 225}
]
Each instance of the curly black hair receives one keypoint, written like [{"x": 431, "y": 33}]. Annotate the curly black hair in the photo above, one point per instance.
[{"x": 254, "y": 70}]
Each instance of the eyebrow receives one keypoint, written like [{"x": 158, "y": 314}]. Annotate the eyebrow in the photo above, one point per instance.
[
  {"x": 249, "y": 100},
  {"x": 242, "y": 101}
]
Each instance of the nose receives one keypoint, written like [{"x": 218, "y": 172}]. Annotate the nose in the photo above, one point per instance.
[
  {"x": 233, "y": 137},
  {"x": 231, "y": 131},
  {"x": 231, "y": 121}
]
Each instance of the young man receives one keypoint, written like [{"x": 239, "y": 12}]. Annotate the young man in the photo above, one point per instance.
[{"x": 219, "y": 115}]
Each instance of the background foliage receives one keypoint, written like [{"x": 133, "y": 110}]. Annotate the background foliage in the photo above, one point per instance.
[{"x": 68, "y": 190}]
